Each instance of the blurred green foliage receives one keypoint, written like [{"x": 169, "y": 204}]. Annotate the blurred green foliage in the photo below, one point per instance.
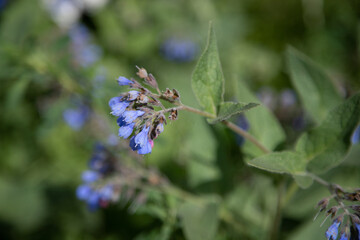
[{"x": 42, "y": 157}]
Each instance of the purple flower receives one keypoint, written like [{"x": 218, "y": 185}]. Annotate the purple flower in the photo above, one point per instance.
[
  {"x": 76, "y": 117},
  {"x": 355, "y": 138},
  {"x": 130, "y": 116},
  {"x": 123, "y": 81},
  {"x": 126, "y": 130},
  {"x": 118, "y": 106},
  {"x": 332, "y": 232},
  {"x": 83, "y": 192},
  {"x": 90, "y": 176}
]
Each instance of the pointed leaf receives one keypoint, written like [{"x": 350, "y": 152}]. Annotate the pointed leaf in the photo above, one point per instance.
[
  {"x": 229, "y": 109},
  {"x": 208, "y": 80},
  {"x": 314, "y": 87},
  {"x": 326, "y": 146},
  {"x": 289, "y": 162}
]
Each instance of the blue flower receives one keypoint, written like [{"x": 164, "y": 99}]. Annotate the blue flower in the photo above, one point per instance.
[
  {"x": 355, "y": 138},
  {"x": 90, "y": 176},
  {"x": 93, "y": 200},
  {"x": 142, "y": 137},
  {"x": 344, "y": 237},
  {"x": 332, "y": 232},
  {"x": 118, "y": 106},
  {"x": 123, "y": 81},
  {"x": 145, "y": 149},
  {"x": 126, "y": 130},
  {"x": 76, "y": 117},
  {"x": 160, "y": 128},
  {"x": 130, "y": 116},
  {"x": 133, "y": 145},
  {"x": 179, "y": 50},
  {"x": 83, "y": 192},
  {"x": 133, "y": 95},
  {"x": 106, "y": 193}
]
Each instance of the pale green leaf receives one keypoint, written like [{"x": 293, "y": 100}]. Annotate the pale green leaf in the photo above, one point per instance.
[
  {"x": 199, "y": 221},
  {"x": 229, "y": 109},
  {"x": 315, "y": 89},
  {"x": 208, "y": 80},
  {"x": 326, "y": 145}
]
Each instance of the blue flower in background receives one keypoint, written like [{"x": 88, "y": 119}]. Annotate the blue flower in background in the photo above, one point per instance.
[
  {"x": 90, "y": 176},
  {"x": 2, "y": 4},
  {"x": 355, "y": 138},
  {"x": 179, "y": 50},
  {"x": 85, "y": 52},
  {"x": 332, "y": 232},
  {"x": 76, "y": 117},
  {"x": 243, "y": 123}
]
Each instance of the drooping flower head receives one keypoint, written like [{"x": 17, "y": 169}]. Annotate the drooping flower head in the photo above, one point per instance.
[{"x": 333, "y": 230}]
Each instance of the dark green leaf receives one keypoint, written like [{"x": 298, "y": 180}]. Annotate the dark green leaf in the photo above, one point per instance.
[
  {"x": 314, "y": 87},
  {"x": 229, "y": 109},
  {"x": 208, "y": 80},
  {"x": 326, "y": 146},
  {"x": 199, "y": 221}
]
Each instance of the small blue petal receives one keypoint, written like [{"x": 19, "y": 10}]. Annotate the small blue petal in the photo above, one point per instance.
[
  {"x": 125, "y": 131},
  {"x": 133, "y": 95},
  {"x": 106, "y": 193},
  {"x": 119, "y": 108},
  {"x": 133, "y": 145},
  {"x": 90, "y": 176},
  {"x": 93, "y": 200},
  {"x": 355, "y": 138},
  {"x": 124, "y": 81},
  {"x": 76, "y": 117},
  {"x": 145, "y": 149},
  {"x": 130, "y": 116},
  {"x": 114, "y": 100},
  {"x": 142, "y": 137},
  {"x": 83, "y": 192},
  {"x": 344, "y": 237},
  {"x": 332, "y": 232}
]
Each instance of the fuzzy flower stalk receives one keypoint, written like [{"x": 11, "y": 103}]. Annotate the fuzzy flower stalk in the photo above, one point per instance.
[{"x": 141, "y": 115}]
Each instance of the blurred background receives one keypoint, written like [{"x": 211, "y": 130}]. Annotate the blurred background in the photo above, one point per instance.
[{"x": 59, "y": 61}]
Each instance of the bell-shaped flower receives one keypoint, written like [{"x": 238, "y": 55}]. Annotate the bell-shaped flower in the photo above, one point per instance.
[
  {"x": 123, "y": 81},
  {"x": 130, "y": 116},
  {"x": 126, "y": 130}
]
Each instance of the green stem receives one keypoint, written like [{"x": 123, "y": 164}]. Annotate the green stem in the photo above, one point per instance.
[
  {"x": 230, "y": 125},
  {"x": 277, "y": 218}
]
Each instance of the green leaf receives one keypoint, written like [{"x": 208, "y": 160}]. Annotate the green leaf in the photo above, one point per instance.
[
  {"x": 289, "y": 162},
  {"x": 316, "y": 91},
  {"x": 263, "y": 124},
  {"x": 326, "y": 145},
  {"x": 208, "y": 80},
  {"x": 229, "y": 109},
  {"x": 199, "y": 221}
]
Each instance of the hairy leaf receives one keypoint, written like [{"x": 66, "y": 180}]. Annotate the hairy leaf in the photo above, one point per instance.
[
  {"x": 207, "y": 79},
  {"x": 326, "y": 145}
]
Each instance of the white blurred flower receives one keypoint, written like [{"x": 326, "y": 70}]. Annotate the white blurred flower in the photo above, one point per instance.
[{"x": 64, "y": 12}]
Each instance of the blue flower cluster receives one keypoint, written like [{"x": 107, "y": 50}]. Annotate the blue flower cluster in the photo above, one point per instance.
[
  {"x": 136, "y": 115},
  {"x": 93, "y": 191}
]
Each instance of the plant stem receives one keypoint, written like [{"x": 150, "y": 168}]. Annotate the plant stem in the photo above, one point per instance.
[
  {"x": 277, "y": 218},
  {"x": 230, "y": 125},
  {"x": 318, "y": 179}
]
